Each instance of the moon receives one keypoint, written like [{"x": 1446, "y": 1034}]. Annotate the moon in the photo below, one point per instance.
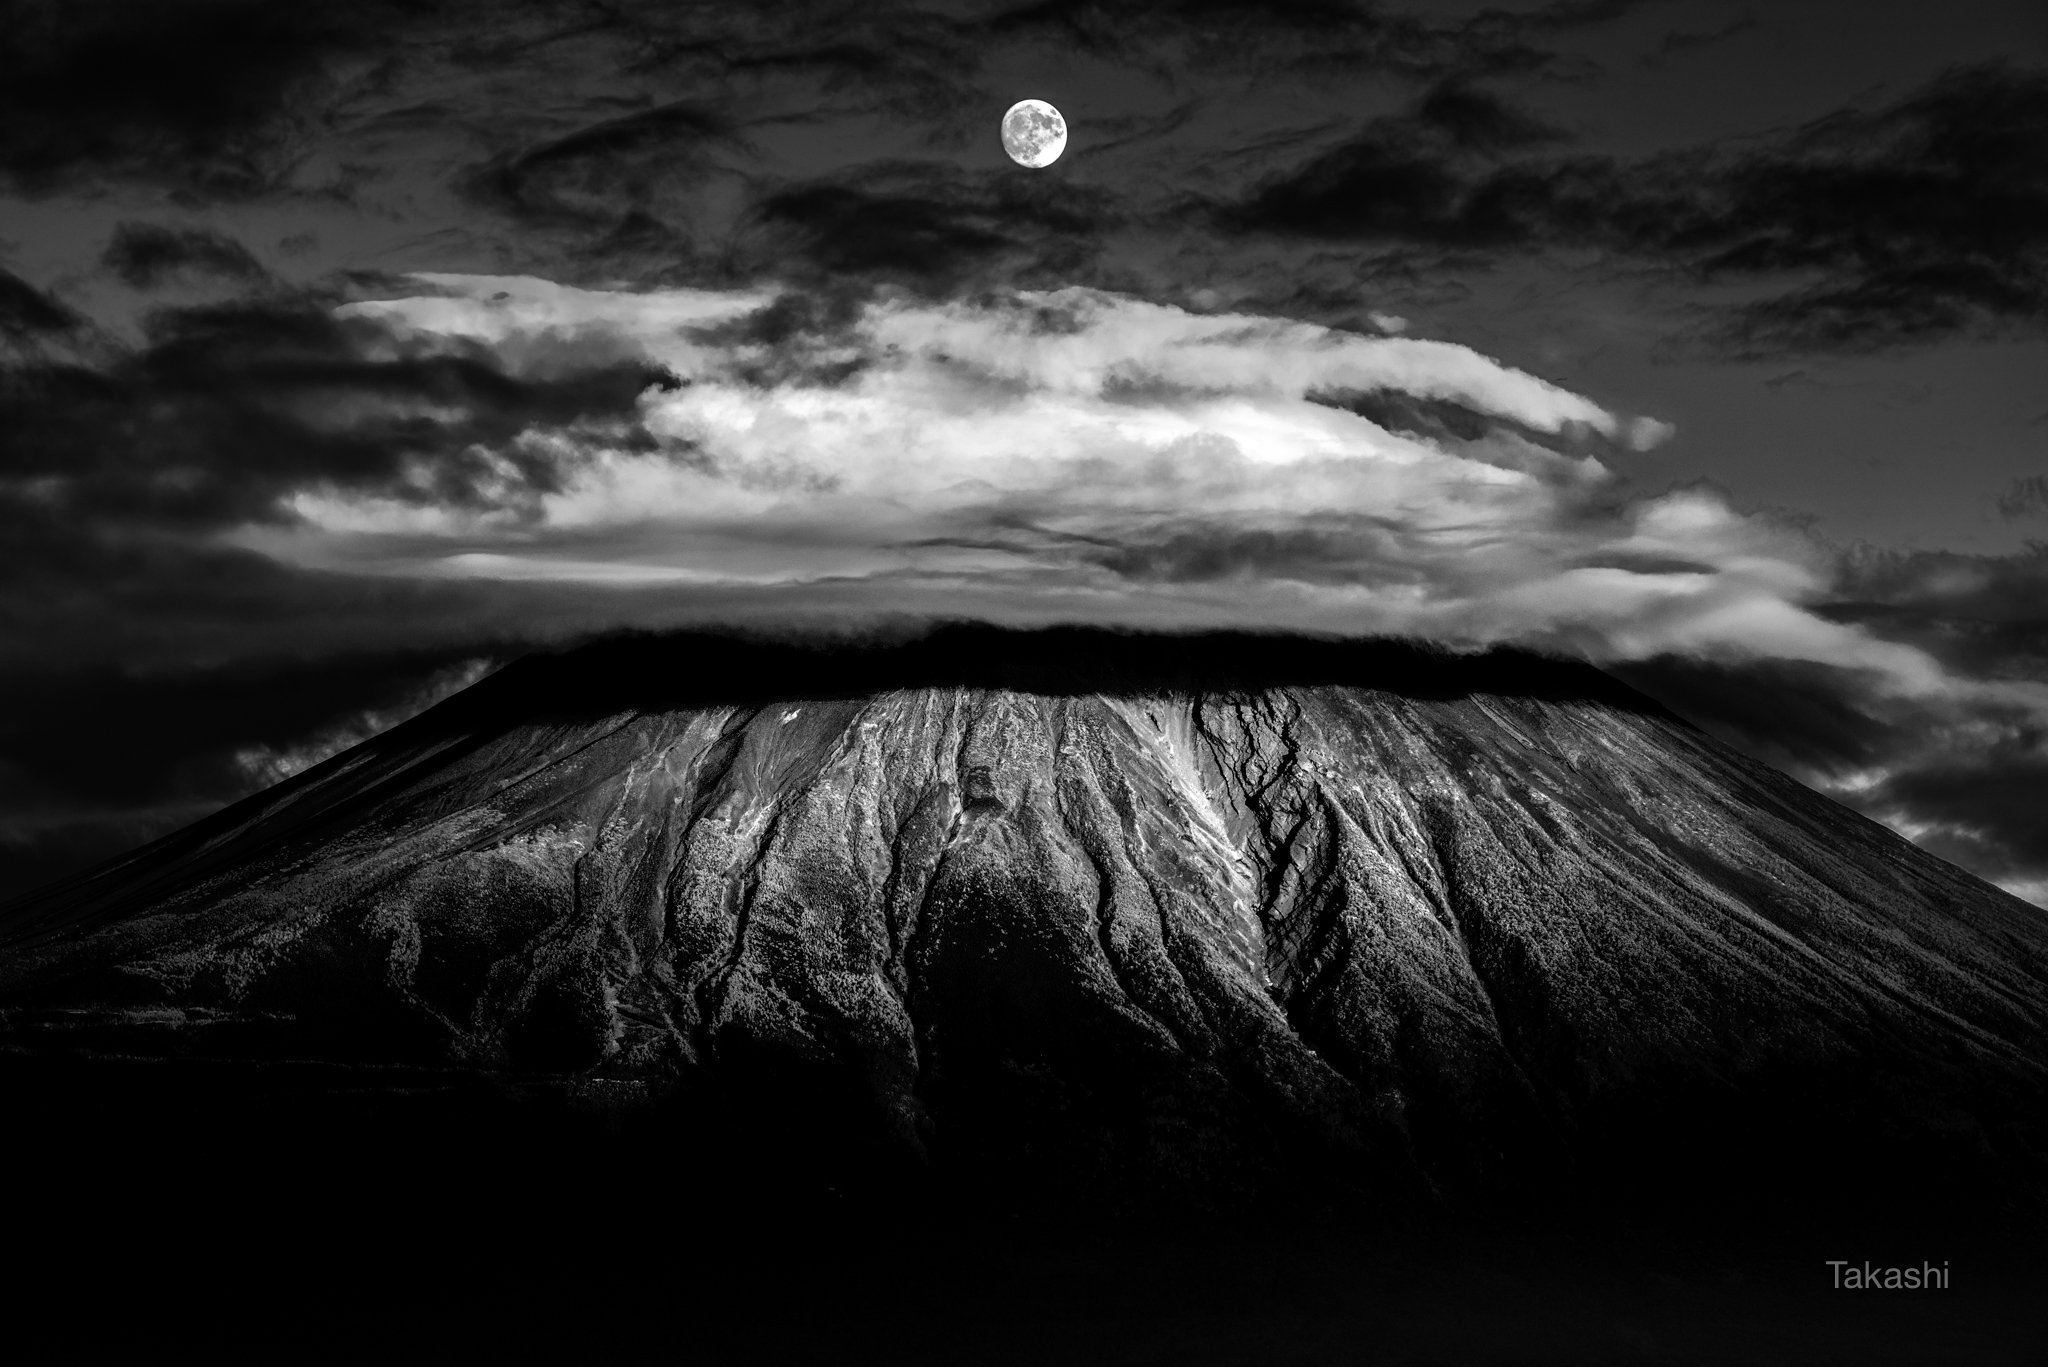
[{"x": 1034, "y": 134}]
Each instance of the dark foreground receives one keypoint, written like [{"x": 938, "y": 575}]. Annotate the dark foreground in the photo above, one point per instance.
[{"x": 160, "y": 1208}]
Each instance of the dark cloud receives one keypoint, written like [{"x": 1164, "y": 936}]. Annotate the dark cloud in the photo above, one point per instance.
[
  {"x": 928, "y": 224},
  {"x": 636, "y": 180},
  {"x": 648, "y": 151},
  {"x": 1311, "y": 35},
  {"x": 1198, "y": 553},
  {"x": 2028, "y": 497},
  {"x": 229, "y": 408},
  {"x": 156, "y": 603},
  {"x": 802, "y": 337},
  {"x": 1679, "y": 41},
  {"x": 1984, "y": 616},
  {"x": 1946, "y": 585},
  {"x": 1432, "y": 177},
  {"x": 843, "y": 228},
  {"x": 144, "y": 255},
  {"x": 1922, "y": 219},
  {"x": 1416, "y": 414},
  {"x": 1480, "y": 122},
  {"x": 1378, "y": 186},
  {"x": 119, "y": 478},
  {"x": 190, "y": 91},
  {"x": 37, "y": 329},
  {"x": 1214, "y": 27},
  {"x": 607, "y": 170},
  {"x": 1988, "y": 813},
  {"x": 26, "y": 312},
  {"x": 1448, "y": 423}
]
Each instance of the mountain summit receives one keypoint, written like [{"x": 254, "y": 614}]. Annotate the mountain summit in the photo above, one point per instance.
[{"x": 1085, "y": 916}]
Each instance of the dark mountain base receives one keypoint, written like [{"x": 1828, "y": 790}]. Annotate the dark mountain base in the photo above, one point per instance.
[{"x": 271, "y": 1215}]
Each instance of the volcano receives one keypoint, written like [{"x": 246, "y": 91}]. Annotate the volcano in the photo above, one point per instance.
[{"x": 1081, "y": 919}]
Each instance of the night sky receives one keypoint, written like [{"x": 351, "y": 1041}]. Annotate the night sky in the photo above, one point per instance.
[{"x": 347, "y": 351}]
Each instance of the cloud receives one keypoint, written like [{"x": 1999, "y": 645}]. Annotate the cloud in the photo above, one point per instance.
[
  {"x": 861, "y": 441},
  {"x": 144, "y": 255},
  {"x": 1070, "y": 453},
  {"x": 232, "y": 407},
  {"x": 1961, "y": 768},
  {"x": 935, "y": 225},
  {"x": 706, "y": 142},
  {"x": 1980, "y": 810},
  {"x": 192, "y": 92},
  {"x": 2028, "y": 497},
  {"x": 266, "y": 763},
  {"x": 715, "y": 143},
  {"x": 1962, "y": 771},
  {"x": 26, "y": 312},
  {"x": 37, "y": 329},
  {"x": 1864, "y": 229},
  {"x": 1680, "y": 41},
  {"x": 1478, "y": 121},
  {"x": 602, "y": 170},
  {"x": 1310, "y": 36}
]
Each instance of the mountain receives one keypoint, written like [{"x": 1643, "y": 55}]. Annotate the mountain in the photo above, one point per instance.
[{"x": 1078, "y": 919}]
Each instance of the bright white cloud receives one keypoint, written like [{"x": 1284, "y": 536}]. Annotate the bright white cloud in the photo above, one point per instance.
[
  {"x": 1075, "y": 453},
  {"x": 506, "y": 309}
]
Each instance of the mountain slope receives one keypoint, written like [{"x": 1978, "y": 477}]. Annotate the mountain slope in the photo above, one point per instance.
[{"x": 1102, "y": 917}]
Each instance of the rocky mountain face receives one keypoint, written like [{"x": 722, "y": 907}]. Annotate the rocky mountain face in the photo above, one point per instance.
[{"x": 1086, "y": 917}]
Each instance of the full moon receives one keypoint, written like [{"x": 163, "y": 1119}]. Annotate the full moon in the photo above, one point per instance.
[{"x": 1034, "y": 134}]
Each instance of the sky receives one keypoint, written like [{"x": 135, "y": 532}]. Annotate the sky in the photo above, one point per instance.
[{"x": 348, "y": 352}]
